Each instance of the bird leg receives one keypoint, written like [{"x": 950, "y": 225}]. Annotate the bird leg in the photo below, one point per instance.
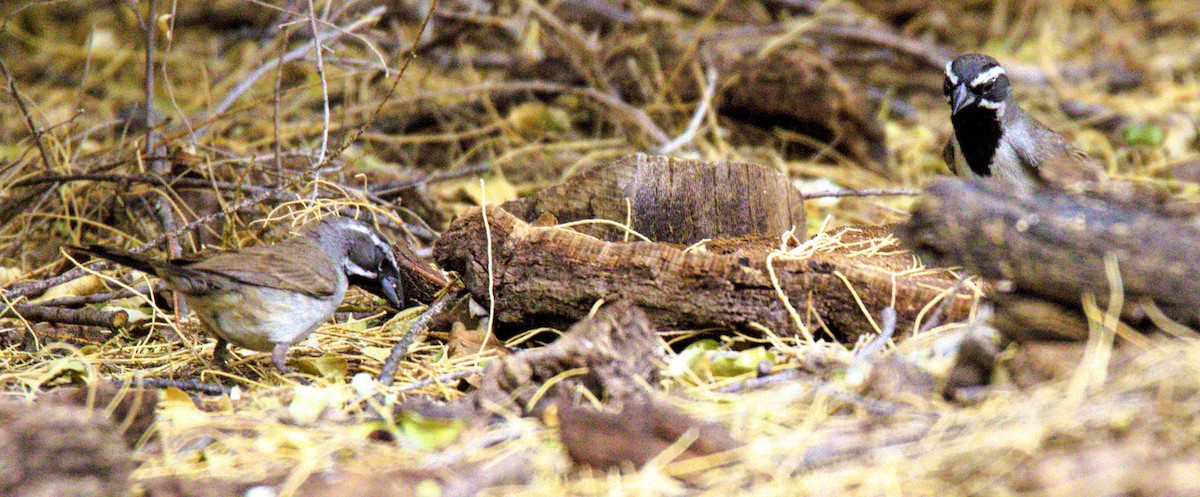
[
  {"x": 279, "y": 357},
  {"x": 220, "y": 353}
]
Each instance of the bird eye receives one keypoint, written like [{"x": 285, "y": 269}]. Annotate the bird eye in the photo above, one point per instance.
[
  {"x": 946, "y": 88},
  {"x": 987, "y": 87}
]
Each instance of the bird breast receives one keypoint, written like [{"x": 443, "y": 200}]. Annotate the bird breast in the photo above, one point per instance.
[{"x": 257, "y": 318}]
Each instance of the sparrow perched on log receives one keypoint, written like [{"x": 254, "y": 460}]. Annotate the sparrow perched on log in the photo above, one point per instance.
[
  {"x": 267, "y": 298},
  {"x": 994, "y": 137}
]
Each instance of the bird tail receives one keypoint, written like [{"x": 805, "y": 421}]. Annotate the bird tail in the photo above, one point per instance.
[
  {"x": 180, "y": 278},
  {"x": 122, "y": 257}
]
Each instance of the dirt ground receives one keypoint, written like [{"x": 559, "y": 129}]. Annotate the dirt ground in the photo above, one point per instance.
[{"x": 413, "y": 114}]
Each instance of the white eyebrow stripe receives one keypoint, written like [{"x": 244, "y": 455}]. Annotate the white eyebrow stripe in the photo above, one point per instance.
[
  {"x": 950, "y": 73},
  {"x": 988, "y": 75},
  {"x": 354, "y": 269}
]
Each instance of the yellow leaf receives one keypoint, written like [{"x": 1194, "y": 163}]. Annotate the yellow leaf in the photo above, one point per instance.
[
  {"x": 326, "y": 366},
  {"x": 308, "y": 403},
  {"x": 74, "y": 288},
  {"x": 65, "y": 368},
  {"x": 495, "y": 188},
  {"x": 429, "y": 488},
  {"x": 175, "y": 395},
  {"x": 9, "y": 274},
  {"x": 378, "y": 353},
  {"x": 534, "y": 119},
  {"x": 355, "y": 325},
  {"x": 163, "y": 23},
  {"x": 429, "y": 433},
  {"x": 178, "y": 410}
]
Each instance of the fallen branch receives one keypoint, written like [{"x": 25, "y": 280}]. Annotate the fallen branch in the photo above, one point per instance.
[{"x": 112, "y": 320}]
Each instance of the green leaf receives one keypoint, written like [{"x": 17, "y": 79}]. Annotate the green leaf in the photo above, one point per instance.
[
  {"x": 739, "y": 363},
  {"x": 694, "y": 357},
  {"x": 1147, "y": 135},
  {"x": 429, "y": 433}
]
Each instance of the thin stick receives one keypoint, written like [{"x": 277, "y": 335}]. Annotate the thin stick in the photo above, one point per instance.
[
  {"x": 192, "y": 385},
  {"x": 275, "y": 105},
  {"x": 142, "y": 178},
  {"x": 480, "y": 168},
  {"x": 419, "y": 327},
  {"x": 85, "y": 317},
  {"x": 487, "y": 228},
  {"x": 462, "y": 373},
  {"x": 941, "y": 308},
  {"x": 697, "y": 117},
  {"x": 312, "y": 21},
  {"x": 93, "y": 298},
  {"x": 320, "y": 38},
  {"x": 879, "y": 192},
  {"x": 887, "y": 324},
  {"x": 37, "y": 133},
  {"x": 148, "y": 82},
  {"x": 40, "y": 286}
]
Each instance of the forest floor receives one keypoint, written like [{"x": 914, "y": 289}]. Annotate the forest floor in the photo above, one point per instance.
[{"x": 414, "y": 113}]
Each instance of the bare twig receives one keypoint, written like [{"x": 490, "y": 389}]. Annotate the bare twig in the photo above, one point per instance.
[
  {"x": 93, "y": 298},
  {"x": 784, "y": 376},
  {"x": 312, "y": 20},
  {"x": 941, "y": 308},
  {"x": 710, "y": 88},
  {"x": 275, "y": 103},
  {"x": 148, "y": 82},
  {"x": 192, "y": 385},
  {"x": 354, "y": 135},
  {"x": 635, "y": 114},
  {"x": 297, "y": 53},
  {"x": 462, "y": 373},
  {"x": 85, "y": 317},
  {"x": 887, "y": 329},
  {"x": 393, "y": 189},
  {"x": 142, "y": 178},
  {"x": 40, "y": 286},
  {"x": 879, "y": 192},
  {"x": 33, "y": 129},
  {"x": 419, "y": 327}
]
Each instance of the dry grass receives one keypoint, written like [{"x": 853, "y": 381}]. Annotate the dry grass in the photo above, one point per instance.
[{"x": 79, "y": 72}]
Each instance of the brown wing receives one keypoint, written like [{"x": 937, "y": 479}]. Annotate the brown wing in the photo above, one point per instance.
[
  {"x": 1057, "y": 161},
  {"x": 948, "y": 156},
  {"x": 295, "y": 266}
]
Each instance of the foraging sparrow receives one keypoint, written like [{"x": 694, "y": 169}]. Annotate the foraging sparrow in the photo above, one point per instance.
[{"x": 267, "y": 298}]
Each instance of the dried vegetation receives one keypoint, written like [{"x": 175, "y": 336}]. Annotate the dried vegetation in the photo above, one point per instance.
[{"x": 249, "y": 131}]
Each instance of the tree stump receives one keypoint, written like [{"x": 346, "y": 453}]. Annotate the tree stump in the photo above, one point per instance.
[{"x": 672, "y": 200}]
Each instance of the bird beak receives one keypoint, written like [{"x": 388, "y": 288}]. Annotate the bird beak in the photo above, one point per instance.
[
  {"x": 388, "y": 285},
  {"x": 960, "y": 98}
]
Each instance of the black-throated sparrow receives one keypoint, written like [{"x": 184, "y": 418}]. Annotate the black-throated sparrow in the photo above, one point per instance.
[
  {"x": 994, "y": 137},
  {"x": 268, "y": 297}
]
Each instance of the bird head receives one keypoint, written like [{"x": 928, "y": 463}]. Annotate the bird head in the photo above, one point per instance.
[
  {"x": 976, "y": 82},
  {"x": 366, "y": 257}
]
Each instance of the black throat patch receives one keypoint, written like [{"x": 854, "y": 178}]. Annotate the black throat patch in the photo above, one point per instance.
[{"x": 977, "y": 130}]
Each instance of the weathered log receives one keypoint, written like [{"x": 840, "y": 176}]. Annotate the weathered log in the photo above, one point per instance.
[
  {"x": 643, "y": 429},
  {"x": 553, "y": 276},
  {"x": 615, "y": 351},
  {"x": 74, "y": 442},
  {"x": 672, "y": 200},
  {"x": 422, "y": 280},
  {"x": 1052, "y": 245}
]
